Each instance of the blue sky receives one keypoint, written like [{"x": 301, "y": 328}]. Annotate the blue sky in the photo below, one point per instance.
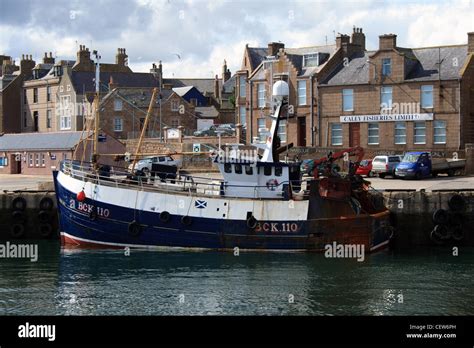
[{"x": 204, "y": 33}]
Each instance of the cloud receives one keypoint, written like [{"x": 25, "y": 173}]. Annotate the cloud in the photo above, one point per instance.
[{"x": 204, "y": 33}]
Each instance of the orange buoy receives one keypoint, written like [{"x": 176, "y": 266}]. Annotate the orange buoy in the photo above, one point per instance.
[{"x": 81, "y": 196}]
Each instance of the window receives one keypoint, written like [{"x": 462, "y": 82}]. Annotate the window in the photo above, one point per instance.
[
  {"x": 282, "y": 130},
  {"x": 278, "y": 171},
  {"x": 439, "y": 132},
  {"x": 37, "y": 160},
  {"x": 242, "y": 87},
  {"x": 25, "y": 97},
  {"x": 261, "y": 95},
  {"x": 400, "y": 133},
  {"x": 174, "y": 123},
  {"x": 227, "y": 167},
  {"x": 30, "y": 160},
  {"x": 48, "y": 93},
  {"x": 373, "y": 134},
  {"x": 336, "y": 133},
  {"x": 35, "y": 121},
  {"x": 311, "y": 59},
  {"x": 43, "y": 163},
  {"x": 238, "y": 168},
  {"x": 35, "y": 95},
  {"x": 386, "y": 97},
  {"x": 194, "y": 101},
  {"x": 386, "y": 67},
  {"x": 420, "y": 132},
  {"x": 302, "y": 92},
  {"x": 48, "y": 118},
  {"x": 174, "y": 105},
  {"x": 248, "y": 170},
  {"x": 25, "y": 119},
  {"x": 427, "y": 96},
  {"x": 118, "y": 124},
  {"x": 261, "y": 129},
  {"x": 348, "y": 99},
  {"x": 267, "y": 170},
  {"x": 118, "y": 104},
  {"x": 3, "y": 161},
  {"x": 243, "y": 116},
  {"x": 65, "y": 112}
]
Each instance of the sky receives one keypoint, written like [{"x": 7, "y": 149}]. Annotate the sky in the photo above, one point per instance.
[{"x": 193, "y": 37}]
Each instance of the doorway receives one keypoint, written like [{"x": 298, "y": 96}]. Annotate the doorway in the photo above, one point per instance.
[
  {"x": 15, "y": 165},
  {"x": 301, "y": 131},
  {"x": 354, "y": 134}
]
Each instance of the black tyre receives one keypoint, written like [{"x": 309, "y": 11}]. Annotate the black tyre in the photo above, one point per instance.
[
  {"x": 186, "y": 220},
  {"x": 19, "y": 217},
  {"x": 134, "y": 229},
  {"x": 382, "y": 176},
  {"x": 19, "y": 203},
  {"x": 440, "y": 216},
  {"x": 418, "y": 176},
  {"x": 46, "y": 203},
  {"x": 17, "y": 230},
  {"x": 45, "y": 230},
  {"x": 451, "y": 172},
  {"x": 457, "y": 203},
  {"x": 370, "y": 174},
  {"x": 43, "y": 216},
  {"x": 457, "y": 233},
  {"x": 165, "y": 216},
  {"x": 251, "y": 222},
  {"x": 435, "y": 239},
  {"x": 442, "y": 232}
]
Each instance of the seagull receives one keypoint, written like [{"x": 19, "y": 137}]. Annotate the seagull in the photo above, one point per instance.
[{"x": 177, "y": 55}]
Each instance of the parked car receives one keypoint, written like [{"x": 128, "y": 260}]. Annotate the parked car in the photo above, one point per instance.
[
  {"x": 365, "y": 168},
  {"x": 145, "y": 164},
  {"x": 227, "y": 128},
  {"x": 206, "y": 132},
  {"x": 420, "y": 164},
  {"x": 385, "y": 165}
]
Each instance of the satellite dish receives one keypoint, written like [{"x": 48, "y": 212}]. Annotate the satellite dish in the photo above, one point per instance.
[{"x": 281, "y": 90}]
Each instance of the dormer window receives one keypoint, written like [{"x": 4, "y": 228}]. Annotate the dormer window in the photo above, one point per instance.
[
  {"x": 311, "y": 59},
  {"x": 386, "y": 67}
]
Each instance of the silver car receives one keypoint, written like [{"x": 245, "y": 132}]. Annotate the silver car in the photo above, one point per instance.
[{"x": 385, "y": 165}]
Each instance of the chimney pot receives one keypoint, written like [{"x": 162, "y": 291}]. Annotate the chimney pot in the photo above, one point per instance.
[{"x": 470, "y": 42}]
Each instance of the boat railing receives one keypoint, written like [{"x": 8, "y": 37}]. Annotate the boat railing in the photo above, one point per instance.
[{"x": 163, "y": 182}]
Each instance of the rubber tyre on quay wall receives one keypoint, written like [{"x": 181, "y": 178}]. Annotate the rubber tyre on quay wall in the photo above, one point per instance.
[
  {"x": 46, "y": 203},
  {"x": 435, "y": 239},
  {"x": 45, "y": 230},
  {"x": 457, "y": 233},
  {"x": 442, "y": 232},
  {"x": 19, "y": 217},
  {"x": 19, "y": 203},
  {"x": 440, "y": 216},
  {"x": 457, "y": 203},
  {"x": 17, "y": 230}
]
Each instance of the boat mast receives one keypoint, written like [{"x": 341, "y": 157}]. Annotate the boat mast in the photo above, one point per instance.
[{"x": 95, "y": 156}]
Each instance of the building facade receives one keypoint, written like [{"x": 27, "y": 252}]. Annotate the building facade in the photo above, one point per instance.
[{"x": 397, "y": 99}]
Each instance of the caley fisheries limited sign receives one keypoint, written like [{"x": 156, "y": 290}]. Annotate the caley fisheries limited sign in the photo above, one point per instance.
[{"x": 386, "y": 118}]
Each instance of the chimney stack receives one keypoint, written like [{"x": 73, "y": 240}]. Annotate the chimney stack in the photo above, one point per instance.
[
  {"x": 274, "y": 47},
  {"x": 470, "y": 42},
  {"x": 83, "y": 55},
  {"x": 342, "y": 39},
  {"x": 112, "y": 84},
  {"x": 387, "y": 42},
  {"x": 216, "y": 88},
  {"x": 48, "y": 59},
  {"x": 358, "y": 38},
  {"x": 26, "y": 65},
  {"x": 225, "y": 72},
  {"x": 121, "y": 58}
]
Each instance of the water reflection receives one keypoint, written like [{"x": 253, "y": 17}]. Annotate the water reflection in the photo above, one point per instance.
[{"x": 104, "y": 282}]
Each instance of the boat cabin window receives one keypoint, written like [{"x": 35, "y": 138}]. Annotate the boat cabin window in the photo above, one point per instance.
[
  {"x": 278, "y": 171},
  {"x": 267, "y": 170},
  {"x": 248, "y": 170},
  {"x": 227, "y": 167},
  {"x": 238, "y": 168}
]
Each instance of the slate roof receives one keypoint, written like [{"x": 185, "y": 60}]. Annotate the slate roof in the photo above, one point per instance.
[
  {"x": 139, "y": 97},
  {"x": 84, "y": 81},
  {"x": 229, "y": 85},
  {"x": 206, "y": 111},
  {"x": 257, "y": 55},
  {"x": 205, "y": 86},
  {"x": 39, "y": 141},
  {"x": 295, "y": 55},
  {"x": 421, "y": 65}
]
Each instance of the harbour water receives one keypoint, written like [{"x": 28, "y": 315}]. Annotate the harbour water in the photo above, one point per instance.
[{"x": 107, "y": 282}]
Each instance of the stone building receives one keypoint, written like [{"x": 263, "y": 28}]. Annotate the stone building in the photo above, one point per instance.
[
  {"x": 123, "y": 111},
  {"x": 398, "y": 99}
]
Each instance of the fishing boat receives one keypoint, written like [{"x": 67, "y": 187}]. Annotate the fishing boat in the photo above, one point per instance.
[{"x": 261, "y": 203}]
